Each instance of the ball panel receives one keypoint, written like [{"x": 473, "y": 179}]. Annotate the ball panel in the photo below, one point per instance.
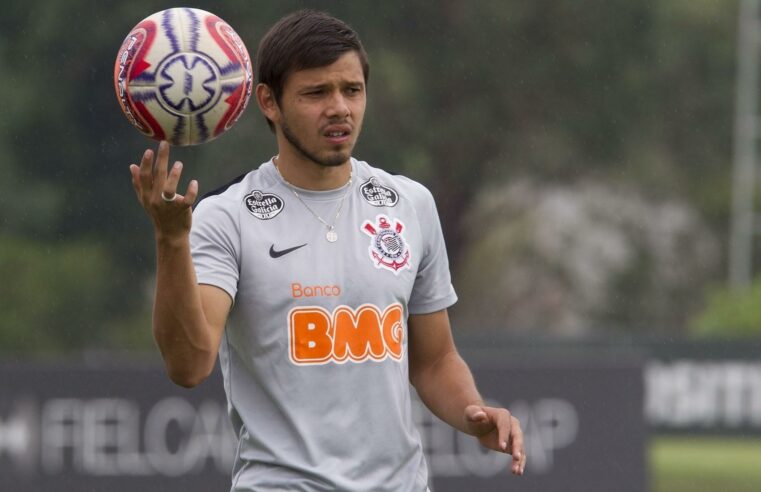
[
  {"x": 236, "y": 102},
  {"x": 188, "y": 83},
  {"x": 149, "y": 126}
]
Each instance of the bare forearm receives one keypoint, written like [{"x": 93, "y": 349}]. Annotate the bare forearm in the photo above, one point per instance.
[
  {"x": 447, "y": 387},
  {"x": 180, "y": 327}
]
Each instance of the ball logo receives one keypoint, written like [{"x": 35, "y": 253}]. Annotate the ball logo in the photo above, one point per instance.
[
  {"x": 388, "y": 249},
  {"x": 189, "y": 83},
  {"x": 263, "y": 206},
  {"x": 377, "y": 194},
  {"x": 143, "y": 35}
]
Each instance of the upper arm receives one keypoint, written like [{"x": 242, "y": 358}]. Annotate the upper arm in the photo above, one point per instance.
[
  {"x": 433, "y": 289},
  {"x": 215, "y": 248},
  {"x": 430, "y": 340},
  {"x": 216, "y": 304}
]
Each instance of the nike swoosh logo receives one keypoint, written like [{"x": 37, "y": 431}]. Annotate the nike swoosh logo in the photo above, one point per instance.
[{"x": 278, "y": 254}]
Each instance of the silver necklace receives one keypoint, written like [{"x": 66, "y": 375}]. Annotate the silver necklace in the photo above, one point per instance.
[{"x": 331, "y": 235}]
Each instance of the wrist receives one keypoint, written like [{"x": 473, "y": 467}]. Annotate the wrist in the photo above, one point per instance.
[{"x": 172, "y": 241}]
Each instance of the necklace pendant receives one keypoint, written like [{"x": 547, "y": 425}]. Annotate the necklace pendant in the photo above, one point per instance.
[{"x": 331, "y": 236}]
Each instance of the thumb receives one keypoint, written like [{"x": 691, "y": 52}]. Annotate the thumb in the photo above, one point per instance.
[{"x": 475, "y": 414}]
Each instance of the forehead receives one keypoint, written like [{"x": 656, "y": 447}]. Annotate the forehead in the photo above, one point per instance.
[{"x": 347, "y": 69}]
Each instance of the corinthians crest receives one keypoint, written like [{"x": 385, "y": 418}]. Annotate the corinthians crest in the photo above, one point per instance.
[{"x": 388, "y": 249}]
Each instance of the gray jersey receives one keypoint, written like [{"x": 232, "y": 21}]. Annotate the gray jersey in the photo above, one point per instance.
[{"x": 314, "y": 357}]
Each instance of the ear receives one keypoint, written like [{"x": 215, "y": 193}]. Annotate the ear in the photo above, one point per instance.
[{"x": 267, "y": 103}]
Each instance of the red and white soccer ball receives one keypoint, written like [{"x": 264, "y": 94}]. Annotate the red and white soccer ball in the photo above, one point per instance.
[{"x": 183, "y": 75}]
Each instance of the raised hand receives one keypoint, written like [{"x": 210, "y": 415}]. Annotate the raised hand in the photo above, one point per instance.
[{"x": 156, "y": 190}]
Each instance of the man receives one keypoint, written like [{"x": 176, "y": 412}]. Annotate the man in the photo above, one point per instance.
[{"x": 340, "y": 281}]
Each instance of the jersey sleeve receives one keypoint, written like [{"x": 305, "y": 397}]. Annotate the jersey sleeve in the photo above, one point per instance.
[
  {"x": 215, "y": 246},
  {"x": 433, "y": 288}
]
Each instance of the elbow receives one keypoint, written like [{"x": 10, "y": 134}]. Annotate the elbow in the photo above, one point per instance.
[
  {"x": 415, "y": 376},
  {"x": 188, "y": 377},
  {"x": 186, "y": 381}
]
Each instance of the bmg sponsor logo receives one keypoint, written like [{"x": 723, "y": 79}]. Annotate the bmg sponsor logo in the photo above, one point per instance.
[{"x": 316, "y": 336}]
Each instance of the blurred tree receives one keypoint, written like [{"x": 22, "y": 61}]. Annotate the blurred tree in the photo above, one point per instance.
[
  {"x": 730, "y": 313},
  {"x": 582, "y": 259},
  {"x": 54, "y": 297},
  {"x": 462, "y": 95}
]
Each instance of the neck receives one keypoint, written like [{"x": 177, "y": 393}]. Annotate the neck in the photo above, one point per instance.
[{"x": 312, "y": 176}]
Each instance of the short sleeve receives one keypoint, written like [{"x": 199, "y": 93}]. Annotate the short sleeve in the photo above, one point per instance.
[
  {"x": 433, "y": 290},
  {"x": 215, "y": 245}
]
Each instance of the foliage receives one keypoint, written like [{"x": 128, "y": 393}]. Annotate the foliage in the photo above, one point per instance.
[
  {"x": 462, "y": 96},
  {"x": 581, "y": 259},
  {"x": 731, "y": 312},
  {"x": 56, "y": 296},
  {"x": 682, "y": 464}
]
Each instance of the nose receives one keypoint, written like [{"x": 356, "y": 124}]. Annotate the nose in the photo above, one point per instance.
[{"x": 338, "y": 106}]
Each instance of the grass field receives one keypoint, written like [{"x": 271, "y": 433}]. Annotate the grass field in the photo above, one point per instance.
[{"x": 705, "y": 464}]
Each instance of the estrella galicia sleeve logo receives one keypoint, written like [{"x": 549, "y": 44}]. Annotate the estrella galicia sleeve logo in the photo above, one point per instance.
[
  {"x": 377, "y": 194},
  {"x": 388, "y": 249},
  {"x": 262, "y": 205}
]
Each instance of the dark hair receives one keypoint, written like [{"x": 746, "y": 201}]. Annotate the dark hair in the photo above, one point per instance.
[{"x": 304, "y": 39}]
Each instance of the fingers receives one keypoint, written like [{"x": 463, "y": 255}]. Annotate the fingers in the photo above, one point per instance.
[
  {"x": 170, "y": 185},
  {"x": 161, "y": 163},
  {"x": 152, "y": 172},
  {"x": 519, "y": 455},
  {"x": 134, "y": 171},
  {"x": 191, "y": 194},
  {"x": 497, "y": 429},
  {"x": 145, "y": 174},
  {"x": 504, "y": 428},
  {"x": 151, "y": 181},
  {"x": 510, "y": 438}
]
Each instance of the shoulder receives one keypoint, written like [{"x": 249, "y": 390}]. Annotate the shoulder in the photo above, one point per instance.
[
  {"x": 232, "y": 195},
  {"x": 376, "y": 182}
]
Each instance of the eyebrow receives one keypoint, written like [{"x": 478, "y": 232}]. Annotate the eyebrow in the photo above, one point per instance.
[{"x": 308, "y": 87}]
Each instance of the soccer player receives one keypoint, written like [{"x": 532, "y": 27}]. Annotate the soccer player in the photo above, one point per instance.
[{"x": 334, "y": 277}]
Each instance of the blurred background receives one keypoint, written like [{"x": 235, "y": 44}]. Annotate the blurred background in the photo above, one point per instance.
[{"x": 592, "y": 163}]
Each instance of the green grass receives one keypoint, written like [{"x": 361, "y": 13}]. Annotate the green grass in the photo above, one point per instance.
[{"x": 705, "y": 464}]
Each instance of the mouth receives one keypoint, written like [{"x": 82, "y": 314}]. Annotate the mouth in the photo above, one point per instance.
[{"x": 337, "y": 134}]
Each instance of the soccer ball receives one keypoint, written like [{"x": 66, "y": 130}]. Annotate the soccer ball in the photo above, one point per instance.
[{"x": 183, "y": 75}]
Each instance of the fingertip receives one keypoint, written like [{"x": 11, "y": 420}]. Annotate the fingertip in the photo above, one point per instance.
[{"x": 192, "y": 192}]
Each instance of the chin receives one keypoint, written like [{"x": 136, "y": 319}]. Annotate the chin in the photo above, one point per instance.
[{"x": 335, "y": 159}]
